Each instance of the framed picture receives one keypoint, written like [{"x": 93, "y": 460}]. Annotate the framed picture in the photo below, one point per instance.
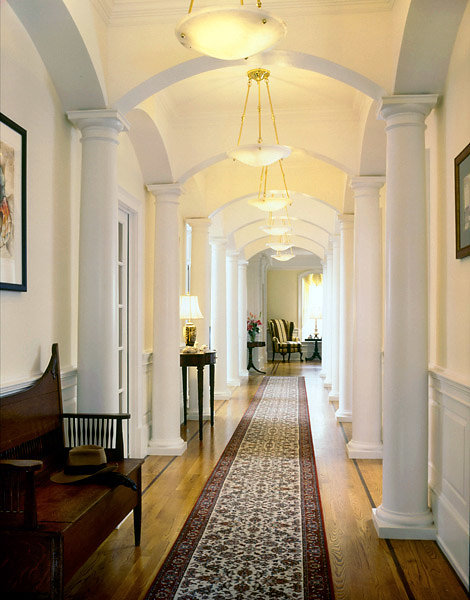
[
  {"x": 12, "y": 206},
  {"x": 462, "y": 202}
]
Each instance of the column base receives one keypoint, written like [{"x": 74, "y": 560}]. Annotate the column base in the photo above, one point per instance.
[
  {"x": 244, "y": 373},
  {"x": 343, "y": 416},
  {"x": 194, "y": 416},
  {"x": 323, "y": 375},
  {"x": 222, "y": 394},
  {"x": 402, "y": 526},
  {"x": 175, "y": 447},
  {"x": 333, "y": 397},
  {"x": 358, "y": 450},
  {"x": 233, "y": 383}
]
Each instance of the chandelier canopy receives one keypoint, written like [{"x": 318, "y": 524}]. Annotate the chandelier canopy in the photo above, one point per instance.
[{"x": 230, "y": 32}]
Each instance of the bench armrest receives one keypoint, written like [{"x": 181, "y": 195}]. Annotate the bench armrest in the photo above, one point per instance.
[
  {"x": 100, "y": 429},
  {"x": 18, "y": 498}
]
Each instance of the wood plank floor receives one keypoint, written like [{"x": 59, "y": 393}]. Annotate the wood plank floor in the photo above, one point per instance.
[{"x": 363, "y": 566}]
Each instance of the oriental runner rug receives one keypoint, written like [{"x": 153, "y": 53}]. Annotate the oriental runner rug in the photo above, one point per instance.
[{"x": 256, "y": 531}]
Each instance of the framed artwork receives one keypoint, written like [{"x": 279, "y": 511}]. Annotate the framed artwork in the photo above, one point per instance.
[
  {"x": 462, "y": 202},
  {"x": 12, "y": 205}
]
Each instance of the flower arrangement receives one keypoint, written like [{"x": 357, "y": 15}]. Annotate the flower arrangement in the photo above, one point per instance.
[{"x": 252, "y": 326}]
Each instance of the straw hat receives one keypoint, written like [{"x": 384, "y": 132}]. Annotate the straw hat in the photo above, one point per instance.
[{"x": 83, "y": 462}]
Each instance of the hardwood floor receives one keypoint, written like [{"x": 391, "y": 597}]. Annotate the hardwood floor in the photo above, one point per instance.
[{"x": 363, "y": 566}]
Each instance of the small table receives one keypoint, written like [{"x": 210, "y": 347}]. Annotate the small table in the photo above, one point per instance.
[
  {"x": 316, "y": 351},
  {"x": 198, "y": 360},
  {"x": 250, "y": 346}
]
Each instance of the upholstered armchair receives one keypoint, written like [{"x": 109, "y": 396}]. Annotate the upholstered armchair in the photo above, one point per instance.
[{"x": 283, "y": 340}]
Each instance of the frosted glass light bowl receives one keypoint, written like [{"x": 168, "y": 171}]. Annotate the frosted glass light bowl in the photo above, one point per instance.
[
  {"x": 270, "y": 203},
  {"x": 230, "y": 33},
  {"x": 259, "y": 155},
  {"x": 279, "y": 246},
  {"x": 283, "y": 257}
]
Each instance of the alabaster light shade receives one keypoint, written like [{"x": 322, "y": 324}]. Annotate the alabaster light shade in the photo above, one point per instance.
[
  {"x": 259, "y": 155},
  {"x": 270, "y": 203},
  {"x": 230, "y": 32},
  {"x": 283, "y": 256},
  {"x": 279, "y": 246},
  {"x": 189, "y": 309},
  {"x": 275, "y": 229}
]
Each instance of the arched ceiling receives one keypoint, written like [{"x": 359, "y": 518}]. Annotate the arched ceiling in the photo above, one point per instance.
[{"x": 336, "y": 62}]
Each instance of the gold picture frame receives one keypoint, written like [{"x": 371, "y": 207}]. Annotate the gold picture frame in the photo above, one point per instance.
[{"x": 462, "y": 202}]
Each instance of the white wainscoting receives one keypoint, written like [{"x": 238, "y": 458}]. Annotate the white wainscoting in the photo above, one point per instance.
[{"x": 449, "y": 466}]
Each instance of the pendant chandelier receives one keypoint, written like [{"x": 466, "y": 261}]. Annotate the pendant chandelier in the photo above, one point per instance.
[
  {"x": 282, "y": 245},
  {"x": 284, "y": 256},
  {"x": 259, "y": 154},
  {"x": 273, "y": 200},
  {"x": 277, "y": 225},
  {"x": 230, "y": 32}
]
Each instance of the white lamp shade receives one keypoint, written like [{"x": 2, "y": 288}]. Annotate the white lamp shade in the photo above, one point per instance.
[
  {"x": 270, "y": 203},
  {"x": 259, "y": 155},
  {"x": 283, "y": 257},
  {"x": 278, "y": 246},
  {"x": 275, "y": 229},
  {"x": 230, "y": 33},
  {"x": 189, "y": 308}
]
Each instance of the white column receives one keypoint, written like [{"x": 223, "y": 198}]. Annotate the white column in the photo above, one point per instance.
[
  {"x": 366, "y": 439},
  {"x": 233, "y": 332},
  {"x": 166, "y": 396},
  {"x": 329, "y": 329},
  {"x": 219, "y": 314},
  {"x": 344, "y": 412},
  {"x": 334, "y": 391},
  {"x": 404, "y": 512},
  {"x": 200, "y": 287},
  {"x": 97, "y": 295},
  {"x": 324, "y": 344},
  {"x": 242, "y": 313}
]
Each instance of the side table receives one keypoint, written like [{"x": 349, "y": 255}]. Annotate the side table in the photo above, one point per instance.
[
  {"x": 250, "y": 346},
  {"x": 316, "y": 351},
  {"x": 199, "y": 360}
]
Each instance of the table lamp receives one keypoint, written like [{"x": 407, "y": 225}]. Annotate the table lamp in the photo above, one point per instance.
[
  {"x": 189, "y": 309},
  {"x": 316, "y": 314}
]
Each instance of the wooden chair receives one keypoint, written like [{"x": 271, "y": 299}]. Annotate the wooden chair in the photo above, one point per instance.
[{"x": 284, "y": 343}]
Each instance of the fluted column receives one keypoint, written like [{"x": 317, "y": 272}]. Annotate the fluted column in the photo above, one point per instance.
[
  {"x": 325, "y": 340},
  {"x": 200, "y": 287},
  {"x": 344, "y": 412},
  {"x": 219, "y": 314},
  {"x": 97, "y": 294},
  {"x": 166, "y": 397},
  {"x": 366, "y": 439},
  {"x": 242, "y": 313},
  {"x": 329, "y": 329},
  {"x": 404, "y": 512},
  {"x": 233, "y": 374},
  {"x": 334, "y": 391}
]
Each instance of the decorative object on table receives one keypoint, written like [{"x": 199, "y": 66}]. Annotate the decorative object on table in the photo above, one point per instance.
[
  {"x": 12, "y": 205},
  {"x": 252, "y": 326},
  {"x": 230, "y": 32},
  {"x": 189, "y": 310},
  {"x": 281, "y": 547},
  {"x": 283, "y": 339},
  {"x": 462, "y": 203}
]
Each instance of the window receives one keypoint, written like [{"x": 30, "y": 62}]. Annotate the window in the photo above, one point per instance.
[{"x": 312, "y": 304}]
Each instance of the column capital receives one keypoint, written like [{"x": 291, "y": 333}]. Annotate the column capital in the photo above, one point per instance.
[
  {"x": 166, "y": 192},
  {"x": 233, "y": 255},
  {"x": 406, "y": 109},
  {"x": 242, "y": 262},
  {"x": 199, "y": 222},
  {"x": 218, "y": 241},
  {"x": 91, "y": 119},
  {"x": 346, "y": 221},
  {"x": 366, "y": 182}
]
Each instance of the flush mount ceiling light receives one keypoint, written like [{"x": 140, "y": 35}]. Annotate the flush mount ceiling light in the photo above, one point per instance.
[
  {"x": 259, "y": 154},
  {"x": 230, "y": 32},
  {"x": 273, "y": 200}
]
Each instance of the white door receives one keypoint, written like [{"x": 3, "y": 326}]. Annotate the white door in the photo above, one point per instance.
[{"x": 123, "y": 319}]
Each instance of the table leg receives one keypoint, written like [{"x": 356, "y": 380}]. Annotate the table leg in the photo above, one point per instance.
[
  {"x": 250, "y": 362},
  {"x": 185, "y": 394},
  {"x": 211, "y": 391},
  {"x": 200, "y": 396}
]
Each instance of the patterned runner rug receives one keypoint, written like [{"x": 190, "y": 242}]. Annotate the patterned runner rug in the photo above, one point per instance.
[{"x": 256, "y": 531}]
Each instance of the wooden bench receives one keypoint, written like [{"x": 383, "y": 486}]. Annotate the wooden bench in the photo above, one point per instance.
[{"x": 48, "y": 530}]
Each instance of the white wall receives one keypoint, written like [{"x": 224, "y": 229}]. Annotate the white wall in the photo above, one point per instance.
[{"x": 31, "y": 321}]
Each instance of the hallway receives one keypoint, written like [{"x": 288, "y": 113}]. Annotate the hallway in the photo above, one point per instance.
[{"x": 363, "y": 566}]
